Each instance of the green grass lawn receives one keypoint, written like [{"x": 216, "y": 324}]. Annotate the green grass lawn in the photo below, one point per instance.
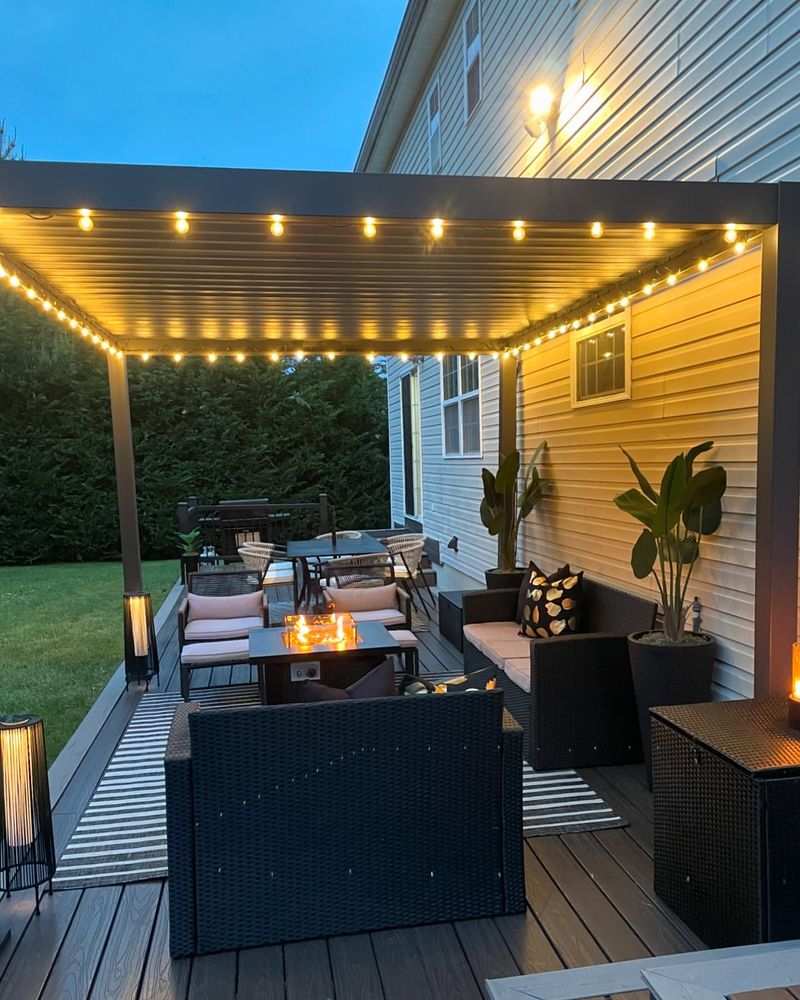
[{"x": 61, "y": 637}]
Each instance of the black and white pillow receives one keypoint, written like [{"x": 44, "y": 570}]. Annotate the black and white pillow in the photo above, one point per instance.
[
  {"x": 552, "y": 606},
  {"x": 529, "y": 581}
]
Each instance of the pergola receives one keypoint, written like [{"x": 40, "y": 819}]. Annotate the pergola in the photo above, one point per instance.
[{"x": 143, "y": 260}]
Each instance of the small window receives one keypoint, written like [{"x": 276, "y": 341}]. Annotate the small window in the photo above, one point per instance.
[
  {"x": 434, "y": 130},
  {"x": 461, "y": 406},
  {"x": 601, "y": 362},
  {"x": 472, "y": 58}
]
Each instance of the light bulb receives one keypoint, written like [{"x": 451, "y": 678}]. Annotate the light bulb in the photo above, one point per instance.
[
  {"x": 648, "y": 289},
  {"x": 85, "y": 222},
  {"x": 538, "y": 342},
  {"x": 515, "y": 351},
  {"x": 518, "y": 232},
  {"x": 177, "y": 358},
  {"x": 47, "y": 305},
  {"x": 212, "y": 357},
  {"x": 551, "y": 334},
  {"x": 31, "y": 294},
  {"x": 274, "y": 356},
  {"x": 576, "y": 324},
  {"x": 740, "y": 247},
  {"x": 437, "y": 228},
  {"x": 702, "y": 265},
  {"x": 495, "y": 355},
  {"x": 624, "y": 301},
  {"x": 540, "y": 101},
  {"x": 300, "y": 355},
  {"x": 3, "y": 272},
  {"x": 440, "y": 356},
  {"x": 671, "y": 279},
  {"x": 730, "y": 233},
  {"x": 181, "y": 223},
  {"x": 104, "y": 345},
  {"x": 371, "y": 358},
  {"x": 649, "y": 230},
  {"x": 146, "y": 356},
  {"x": 562, "y": 328},
  {"x": 610, "y": 308},
  {"x": 95, "y": 338},
  {"x": 597, "y": 230},
  {"x": 240, "y": 358},
  {"x": 591, "y": 317},
  {"x": 61, "y": 315},
  {"x": 370, "y": 229},
  {"x": 14, "y": 281},
  {"x": 525, "y": 347},
  {"x": 276, "y": 227},
  {"x": 404, "y": 357}
]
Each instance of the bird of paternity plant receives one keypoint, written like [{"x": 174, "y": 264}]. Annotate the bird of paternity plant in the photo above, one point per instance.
[
  {"x": 687, "y": 508},
  {"x": 504, "y": 505}
]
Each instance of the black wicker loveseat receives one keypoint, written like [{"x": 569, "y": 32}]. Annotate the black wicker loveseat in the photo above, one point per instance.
[
  {"x": 308, "y": 820},
  {"x": 573, "y": 694}
]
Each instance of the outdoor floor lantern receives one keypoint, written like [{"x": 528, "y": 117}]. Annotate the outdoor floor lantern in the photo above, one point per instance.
[
  {"x": 141, "y": 651},
  {"x": 27, "y": 851}
]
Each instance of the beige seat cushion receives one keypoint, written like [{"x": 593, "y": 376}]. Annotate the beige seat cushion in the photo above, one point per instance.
[
  {"x": 363, "y": 598},
  {"x": 484, "y": 634},
  {"x": 386, "y": 616},
  {"x": 209, "y": 653},
  {"x": 200, "y": 629},
  {"x": 405, "y": 637},
  {"x": 237, "y": 606},
  {"x": 498, "y": 652},
  {"x": 519, "y": 671}
]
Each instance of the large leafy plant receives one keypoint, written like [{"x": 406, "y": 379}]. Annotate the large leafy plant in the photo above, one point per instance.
[
  {"x": 505, "y": 504},
  {"x": 687, "y": 507}
]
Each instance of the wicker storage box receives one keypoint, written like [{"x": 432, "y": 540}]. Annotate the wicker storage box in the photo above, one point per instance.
[
  {"x": 451, "y": 617},
  {"x": 726, "y": 796}
]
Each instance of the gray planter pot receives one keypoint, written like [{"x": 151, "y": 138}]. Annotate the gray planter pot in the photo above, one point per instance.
[
  {"x": 502, "y": 578},
  {"x": 668, "y": 675}
]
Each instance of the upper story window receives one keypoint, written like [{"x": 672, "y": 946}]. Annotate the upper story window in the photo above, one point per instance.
[
  {"x": 434, "y": 129},
  {"x": 461, "y": 406},
  {"x": 601, "y": 362},
  {"x": 472, "y": 57}
]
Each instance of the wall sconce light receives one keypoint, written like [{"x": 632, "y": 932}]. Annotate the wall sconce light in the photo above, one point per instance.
[
  {"x": 141, "y": 651},
  {"x": 27, "y": 849},
  {"x": 541, "y": 104},
  {"x": 794, "y": 696},
  {"x": 453, "y": 543}
]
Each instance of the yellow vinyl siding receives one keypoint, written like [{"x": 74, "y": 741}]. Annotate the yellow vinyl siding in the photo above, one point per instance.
[{"x": 694, "y": 376}]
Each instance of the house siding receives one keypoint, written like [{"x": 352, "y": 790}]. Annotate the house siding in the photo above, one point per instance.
[{"x": 693, "y": 90}]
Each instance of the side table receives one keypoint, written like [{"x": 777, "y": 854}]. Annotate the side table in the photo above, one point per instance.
[
  {"x": 726, "y": 798},
  {"x": 451, "y": 616}
]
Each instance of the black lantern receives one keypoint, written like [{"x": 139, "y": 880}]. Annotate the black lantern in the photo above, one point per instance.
[
  {"x": 27, "y": 851},
  {"x": 141, "y": 652}
]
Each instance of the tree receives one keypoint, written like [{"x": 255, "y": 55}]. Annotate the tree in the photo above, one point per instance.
[{"x": 8, "y": 144}]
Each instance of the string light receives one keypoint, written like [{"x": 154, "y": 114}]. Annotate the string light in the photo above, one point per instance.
[
  {"x": 371, "y": 358},
  {"x": 370, "y": 229},
  {"x": 332, "y": 354},
  {"x": 61, "y": 315},
  {"x": 181, "y": 223},
  {"x": 437, "y": 228},
  {"x": 648, "y": 289},
  {"x": 702, "y": 265},
  {"x": 671, "y": 279},
  {"x": 537, "y": 342},
  {"x": 515, "y": 352},
  {"x": 146, "y": 357},
  {"x": 740, "y": 247},
  {"x": 576, "y": 324},
  {"x": 649, "y": 230},
  {"x": 276, "y": 226},
  {"x": 730, "y": 232},
  {"x": 240, "y": 358},
  {"x": 518, "y": 232},
  {"x": 212, "y": 358},
  {"x": 495, "y": 355},
  {"x": 591, "y": 317},
  {"x": 597, "y": 230},
  {"x": 440, "y": 356},
  {"x": 177, "y": 358},
  {"x": 85, "y": 220},
  {"x": 404, "y": 357},
  {"x": 299, "y": 355},
  {"x": 525, "y": 347},
  {"x": 624, "y": 302},
  {"x": 562, "y": 328},
  {"x": 47, "y": 305},
  {"x": 610, "y": 308},
  {"x": 31, "y": 294},
  {"x": 274, "y": 356},
  {"x": 551, "y": 334}
]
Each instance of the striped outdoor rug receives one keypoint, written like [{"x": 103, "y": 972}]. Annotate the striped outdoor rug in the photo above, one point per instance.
[
  {"x": 562, "y": 802},
  {"x": 122, "y": 835}
]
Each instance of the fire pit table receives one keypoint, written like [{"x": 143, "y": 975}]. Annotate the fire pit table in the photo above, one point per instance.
[{"x": 288, "y": 657}]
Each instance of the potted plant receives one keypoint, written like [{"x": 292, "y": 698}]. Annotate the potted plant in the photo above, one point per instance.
[
  {"x": 503, "y": 508},
  {"x": 672, "y": 666},
  {"x": 189, "y": 543}
]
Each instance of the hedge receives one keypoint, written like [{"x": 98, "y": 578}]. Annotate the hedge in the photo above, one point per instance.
[{"x": 285, "y": 431}]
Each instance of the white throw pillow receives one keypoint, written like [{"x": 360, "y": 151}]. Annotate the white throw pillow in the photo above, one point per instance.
[
  {"x": 237, "y": 606},
  {"x": 363, "y": 598}
]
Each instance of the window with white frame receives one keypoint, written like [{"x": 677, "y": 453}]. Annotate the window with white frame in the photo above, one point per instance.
[
  {"x": 601, "y": 362},
  {"x": 472, "y": 58},
  {"x": 434, "y": 129},
  {"x": 461, "y": 406}
]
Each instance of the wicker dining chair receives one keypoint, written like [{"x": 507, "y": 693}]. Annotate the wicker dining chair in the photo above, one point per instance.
[
  {"x": 268, "y": 561},
  {"x": 339, "y": 534},
  {"x": 406, "y": 552},
  {"x": 354, "y": 571}
]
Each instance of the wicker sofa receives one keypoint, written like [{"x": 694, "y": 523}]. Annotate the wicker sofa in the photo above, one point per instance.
[
  {"x": 300, "y": 821},
  {"x": 572, "y": 695}
]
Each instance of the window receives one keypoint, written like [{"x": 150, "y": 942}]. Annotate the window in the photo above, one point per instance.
[
  {"x": 472, "y": 58},
  {"x": 461, "y": 406},
  {"x": 434, "y": 130},
  {"x": 601, "y": 369}
]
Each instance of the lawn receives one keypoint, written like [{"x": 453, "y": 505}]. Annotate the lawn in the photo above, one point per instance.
[{"x": 61, "y": 637}]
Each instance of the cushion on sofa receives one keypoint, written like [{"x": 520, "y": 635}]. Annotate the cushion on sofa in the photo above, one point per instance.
[
  {"x": 386, "y": 616},
  {"x": 518, "y": 670},
  {"x": 363, "y": 598},
  {"x": 507, "y": 649},
  {"x": 206, "y": 629},
  {"x": 227, "y": 651},
  {"x": 237, "y": 606},
  {"x": 483, "y": 634},
  {"x": 552, "y": 606},
  {"x": 533, "y": 573}
]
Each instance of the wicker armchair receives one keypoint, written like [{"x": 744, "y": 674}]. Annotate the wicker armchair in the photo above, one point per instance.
[
  {"x": 303, "y": 821},
  {"x": 573, "y": 695}
]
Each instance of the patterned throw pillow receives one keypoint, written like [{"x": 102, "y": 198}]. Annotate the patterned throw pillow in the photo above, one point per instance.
[
  {"x": 527, "y": 583},
  {"x": 553, "y": 605}
]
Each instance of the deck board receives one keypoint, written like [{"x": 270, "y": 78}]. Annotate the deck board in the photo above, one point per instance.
[{"x": 590, "y": 899}]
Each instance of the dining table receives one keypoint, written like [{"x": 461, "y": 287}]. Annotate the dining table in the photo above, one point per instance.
[{"x": 325, "y": 550}]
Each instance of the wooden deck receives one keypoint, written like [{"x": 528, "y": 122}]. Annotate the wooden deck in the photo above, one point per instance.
[{"x": 590, "y": 900}]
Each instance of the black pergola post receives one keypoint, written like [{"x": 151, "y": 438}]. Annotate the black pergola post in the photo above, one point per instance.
[
  {"x": 126, "y": 476},
  {"x": 778, "y": 491},
  {"x": 507, "y": 416}
]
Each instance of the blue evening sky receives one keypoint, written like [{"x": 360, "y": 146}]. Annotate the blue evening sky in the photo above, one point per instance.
[{"x": 240, "y": 83}]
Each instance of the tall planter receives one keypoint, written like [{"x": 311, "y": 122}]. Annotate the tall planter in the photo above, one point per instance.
[{"x": 669, "y": 674}]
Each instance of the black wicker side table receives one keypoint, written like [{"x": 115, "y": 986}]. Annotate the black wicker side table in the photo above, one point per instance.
[
  {"x": 451, "y": 617},
  {"x": 726, "y": 798}
]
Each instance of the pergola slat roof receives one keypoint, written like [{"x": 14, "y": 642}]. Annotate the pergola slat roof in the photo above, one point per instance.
[{"x": 229, "y": 285}]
